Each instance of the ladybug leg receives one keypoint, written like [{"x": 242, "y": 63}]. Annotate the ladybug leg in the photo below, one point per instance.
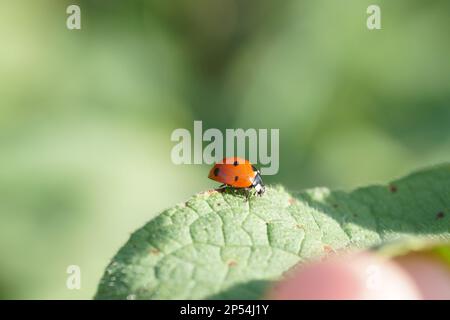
[
  {"x": 221, "y": 188},
  {"x": 248, "y": 193}
]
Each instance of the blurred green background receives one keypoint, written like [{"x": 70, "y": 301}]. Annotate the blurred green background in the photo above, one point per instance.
[{"x": 86, "y": 116}]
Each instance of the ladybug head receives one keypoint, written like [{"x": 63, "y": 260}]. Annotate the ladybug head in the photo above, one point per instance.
[{"x": 258, "y": 184}]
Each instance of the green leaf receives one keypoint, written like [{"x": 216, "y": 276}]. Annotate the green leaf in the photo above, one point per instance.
[
  {"x": 439, "y": 250},
  {"x": 218, "y": 245}
]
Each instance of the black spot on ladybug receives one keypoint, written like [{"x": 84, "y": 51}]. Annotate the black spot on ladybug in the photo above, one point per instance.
[
  {"x": 235, "y": 163},
  {"x": 236, "y": 178},
  {"x": 440, "y": 215},
  {"x": 216, "y": 171},
  {"x": 393, "y": 188}
]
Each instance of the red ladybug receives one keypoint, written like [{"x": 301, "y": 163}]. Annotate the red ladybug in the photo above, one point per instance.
[{"x": 237, "y": 173}]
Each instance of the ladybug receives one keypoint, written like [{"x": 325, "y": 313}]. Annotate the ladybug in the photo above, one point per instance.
[{"x": 237, "y": 173}]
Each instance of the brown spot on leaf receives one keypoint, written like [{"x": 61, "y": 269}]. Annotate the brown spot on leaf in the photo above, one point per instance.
[
  {"x": 154, "y": 251},
  {"x": 232, "y": 263},
  {"x": 300, "y": 226},
  {"x": 208, "y": 192},
  {"x": 335, "y": 205},
  {"x": 440, "y": 215},
  {"x": 291, "y": 201},
  {"x": 393, "y": 188},
  {"x": 328, "y": 249}
]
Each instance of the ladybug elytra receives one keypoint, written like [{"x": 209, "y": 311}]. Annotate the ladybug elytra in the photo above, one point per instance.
[{"x": 237, "y": 173}]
